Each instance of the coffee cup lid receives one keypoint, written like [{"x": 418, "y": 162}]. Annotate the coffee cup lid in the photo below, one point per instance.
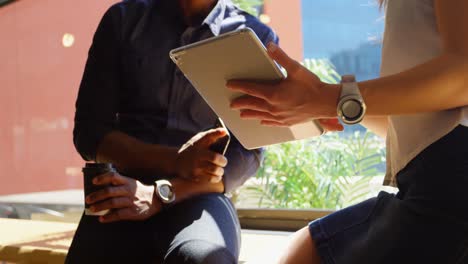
[{"x": 90, "y": 165}]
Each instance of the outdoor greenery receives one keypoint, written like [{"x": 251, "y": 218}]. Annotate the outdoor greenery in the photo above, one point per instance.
[
  {"x": 323, "y": 68},
  {"x": 249, "y": 5},
  {"x": 328, "y": 172}
]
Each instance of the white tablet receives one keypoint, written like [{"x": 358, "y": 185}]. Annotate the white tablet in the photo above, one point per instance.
[{"x": 239, "y": 55}]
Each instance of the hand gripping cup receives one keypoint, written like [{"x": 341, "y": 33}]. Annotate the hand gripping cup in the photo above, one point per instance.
[{"x": 90, "y": 171}]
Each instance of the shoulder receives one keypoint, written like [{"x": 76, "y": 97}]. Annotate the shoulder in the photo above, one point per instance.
[
  {"x": 125, "y": 15},
  {"x": 130, "y": 8},
  {"x": 244, "y": 19}
]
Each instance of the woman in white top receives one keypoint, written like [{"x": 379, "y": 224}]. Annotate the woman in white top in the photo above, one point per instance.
[{"x": 420, "y": 104}]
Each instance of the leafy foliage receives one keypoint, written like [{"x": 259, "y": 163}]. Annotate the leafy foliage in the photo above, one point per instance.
[
  {"x": 249, "y": 6},
  {"x": 329, "y": 172},
  {"x": 323, "y": 68}
]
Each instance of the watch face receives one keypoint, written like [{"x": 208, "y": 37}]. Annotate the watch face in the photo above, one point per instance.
[
  {"x": 352, "y": 109},
  {"x": 165, "y": 193}
]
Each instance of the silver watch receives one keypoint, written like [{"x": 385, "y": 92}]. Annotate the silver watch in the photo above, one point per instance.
[
  {"x": 351, "y": 107},
  {"x": 163, "y": 189}
]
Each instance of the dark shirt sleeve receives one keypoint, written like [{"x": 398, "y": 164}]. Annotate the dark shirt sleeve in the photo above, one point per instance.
[
  {"x": 243, "y": 163},
  {"x": 98, "y": 96}
]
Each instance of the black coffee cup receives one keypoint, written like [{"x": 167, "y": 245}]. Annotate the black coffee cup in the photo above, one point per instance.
[{"x": 90, "y": 171}]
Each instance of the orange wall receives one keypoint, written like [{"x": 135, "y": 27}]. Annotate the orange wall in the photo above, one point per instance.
[
  {"x": 286, "y": 20},
  {"x": 39, "y": 80}
]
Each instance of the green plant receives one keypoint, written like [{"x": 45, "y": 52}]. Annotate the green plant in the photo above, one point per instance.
[
  {"x": 323, "y": 68},
  {"x": 328, "y": 172},
  {"x": 249, "y": 6}
]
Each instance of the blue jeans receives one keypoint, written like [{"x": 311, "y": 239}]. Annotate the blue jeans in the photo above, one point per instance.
[
  {"x": 426, "y": 222},
  {"x": 204, "y": 229}
]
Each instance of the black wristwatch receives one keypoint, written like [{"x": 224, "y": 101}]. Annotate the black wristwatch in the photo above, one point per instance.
[{"x": 351, "y": 107}]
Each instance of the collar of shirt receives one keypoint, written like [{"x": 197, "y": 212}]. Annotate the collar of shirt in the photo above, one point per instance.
[{"x": 215, "y": 18}]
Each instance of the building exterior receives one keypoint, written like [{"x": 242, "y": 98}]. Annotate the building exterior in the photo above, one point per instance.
[{"x": 346, "y": 32}]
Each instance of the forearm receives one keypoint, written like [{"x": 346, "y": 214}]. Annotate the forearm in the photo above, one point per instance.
[
  {"x": 186, "y": 189},
  {"x": 378, "y": 125},
  {"x": 129, "y": 199},
  {"x": 436, "y": 85},
  {"x": 131, "y": 155}
]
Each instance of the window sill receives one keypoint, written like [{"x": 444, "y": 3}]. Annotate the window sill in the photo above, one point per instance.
[{"x": 278, "y": 219}]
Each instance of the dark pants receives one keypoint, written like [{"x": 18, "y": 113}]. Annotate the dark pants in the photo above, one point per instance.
[
  {"x": 426, "y": 222},
  {"x": 204, "y": 229}
]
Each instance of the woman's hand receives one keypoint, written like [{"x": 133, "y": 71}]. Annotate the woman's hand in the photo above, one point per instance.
[
  {"x": 297, "y": 99},
  {"x": 127, "y": 199},
  {"x": 195, "y": 161}
]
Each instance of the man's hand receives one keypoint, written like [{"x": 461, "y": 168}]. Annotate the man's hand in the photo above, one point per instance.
[
  {"x": 127, "y": 198},
  {"x": 299, "y": 98},
  {"x": 330, "y": 125},
  {"x": 196, "y": 162}
]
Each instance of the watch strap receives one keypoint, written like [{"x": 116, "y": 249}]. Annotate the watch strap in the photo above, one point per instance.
[
  {"x": 350, "y": 92},
  {"x": 349, "y": 86}
]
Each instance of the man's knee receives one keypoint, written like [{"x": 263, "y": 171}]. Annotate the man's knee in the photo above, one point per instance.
[{"x": 200, "y": 252}]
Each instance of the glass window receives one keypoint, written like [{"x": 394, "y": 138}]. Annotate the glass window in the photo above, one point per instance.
[
  {"x": 336, "y": 170},
  {"x": 40, "y": 170}
]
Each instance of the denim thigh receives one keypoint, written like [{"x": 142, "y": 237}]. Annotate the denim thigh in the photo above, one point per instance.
[
  {"x": 426, "y": 222},
  {"x": 197, "y": 230}
]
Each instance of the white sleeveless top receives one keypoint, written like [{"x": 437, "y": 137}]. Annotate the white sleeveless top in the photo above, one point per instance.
[{"x": 411, "y": 38}]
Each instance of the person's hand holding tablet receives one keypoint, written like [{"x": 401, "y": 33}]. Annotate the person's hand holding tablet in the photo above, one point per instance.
[
  {"x": 204, "y": 64},
  {"x": 297, "y": 99}
]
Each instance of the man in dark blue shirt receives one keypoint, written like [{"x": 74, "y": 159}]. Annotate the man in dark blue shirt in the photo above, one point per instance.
[{"x": 135, "y": 109}]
